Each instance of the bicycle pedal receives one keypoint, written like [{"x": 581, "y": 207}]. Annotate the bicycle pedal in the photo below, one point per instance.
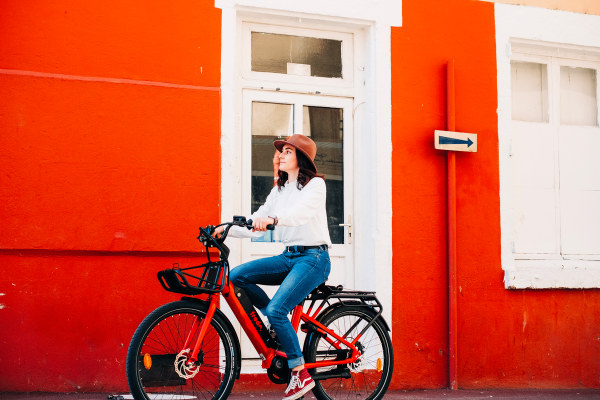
[{"x": 272, "y": 332}]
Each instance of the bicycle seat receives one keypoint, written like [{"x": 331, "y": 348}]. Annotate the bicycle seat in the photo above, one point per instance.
[{"x": 327, "y": 289}]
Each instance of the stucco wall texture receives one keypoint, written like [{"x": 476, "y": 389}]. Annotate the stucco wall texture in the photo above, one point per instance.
[
  {"x": 506, "y": 338},
  {"x": 109, "y": 121},
  {"x": 578, "y": 6},
  {"x": 103, "y": 183}
]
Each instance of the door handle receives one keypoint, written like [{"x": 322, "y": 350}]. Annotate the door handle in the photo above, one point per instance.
[{"x": 349, "y": 225}]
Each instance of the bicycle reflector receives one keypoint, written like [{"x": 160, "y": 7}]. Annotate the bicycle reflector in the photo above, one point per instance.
[
  {"x": 379, "y": 365},
  {"x": 148, "y": 361}
]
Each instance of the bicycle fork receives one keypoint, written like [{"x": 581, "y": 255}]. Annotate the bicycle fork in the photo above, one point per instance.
[{"x": 204, "y": 325}]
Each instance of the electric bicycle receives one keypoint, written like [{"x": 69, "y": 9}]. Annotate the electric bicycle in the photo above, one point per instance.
[{"x": 188, "y": 349}]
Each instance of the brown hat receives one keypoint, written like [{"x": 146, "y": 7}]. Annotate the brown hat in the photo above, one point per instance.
[{"x": 303, "y": 144}]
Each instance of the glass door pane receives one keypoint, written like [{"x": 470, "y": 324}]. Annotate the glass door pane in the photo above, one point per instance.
[
  {"x": 270, "y": 121},
  {"x": 324, "y": 126}
]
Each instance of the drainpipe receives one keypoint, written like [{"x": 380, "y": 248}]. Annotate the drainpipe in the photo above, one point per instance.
[{"x": 452, "y": 308}]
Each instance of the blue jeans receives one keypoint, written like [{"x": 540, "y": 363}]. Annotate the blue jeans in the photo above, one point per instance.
[{"x": 298, "y": 273}]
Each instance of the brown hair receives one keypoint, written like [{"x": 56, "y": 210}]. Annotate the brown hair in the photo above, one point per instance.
[{"x": 304, "y": 175}]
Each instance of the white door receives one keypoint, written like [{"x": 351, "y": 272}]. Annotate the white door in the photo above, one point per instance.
[{"x": 268, "y": 116}]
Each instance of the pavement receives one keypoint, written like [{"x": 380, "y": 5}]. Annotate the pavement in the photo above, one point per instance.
[{"x": 495, "y": 394}]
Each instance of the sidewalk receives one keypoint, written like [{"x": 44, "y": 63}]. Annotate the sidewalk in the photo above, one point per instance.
[{"x": 499, "y": 394}]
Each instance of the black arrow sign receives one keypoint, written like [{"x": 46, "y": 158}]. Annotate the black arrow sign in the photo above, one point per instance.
[{"x": 448, "y": 140}]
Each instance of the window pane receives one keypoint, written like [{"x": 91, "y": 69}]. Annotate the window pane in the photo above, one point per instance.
[
  {"x": 578, "y": 96},
  {"x": 325, "y": 127},
  {"x": 269, "y": 122},
  {"x": 296, "y": 55},
  {"x": 529, "y": 88}
]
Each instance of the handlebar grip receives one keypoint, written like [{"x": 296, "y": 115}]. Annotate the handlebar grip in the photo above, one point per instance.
[{"x": 270, "y": 227}]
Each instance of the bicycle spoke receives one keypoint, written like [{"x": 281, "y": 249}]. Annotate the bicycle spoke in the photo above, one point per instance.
[
  {"x": 166, "y": 338},
  {"x": 365, "y": 381}
]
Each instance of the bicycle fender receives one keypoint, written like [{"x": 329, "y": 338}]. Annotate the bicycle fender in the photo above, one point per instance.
[{"x": 235, "y": 339}]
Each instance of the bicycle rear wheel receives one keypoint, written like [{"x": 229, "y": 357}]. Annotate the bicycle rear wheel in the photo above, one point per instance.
[
  {"x": 371, "y": 375},
  {"x": 156, "y": 360}
]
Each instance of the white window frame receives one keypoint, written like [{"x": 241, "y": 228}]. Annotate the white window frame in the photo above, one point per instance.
[
  {"x": 258, "y": 79},
  {"x": 536, "y": 34},
  {"x": 298, "y": 101}
]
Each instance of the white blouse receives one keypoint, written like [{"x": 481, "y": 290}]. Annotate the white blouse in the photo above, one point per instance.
[{"x": 302, "y": 219}]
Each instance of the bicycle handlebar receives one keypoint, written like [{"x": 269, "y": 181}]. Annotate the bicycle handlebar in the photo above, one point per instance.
[{"x": 206, "y": 234}]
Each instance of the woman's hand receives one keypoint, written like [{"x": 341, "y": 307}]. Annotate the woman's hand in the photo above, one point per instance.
[
  {"x": 260, "y": 224},
  {"x": 218, "y": 231}
]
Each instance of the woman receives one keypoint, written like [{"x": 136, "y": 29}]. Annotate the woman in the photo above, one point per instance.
[{"x": 296, "y": 206}]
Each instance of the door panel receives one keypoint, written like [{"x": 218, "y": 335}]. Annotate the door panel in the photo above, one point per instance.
[
  {"x": 534, "y": 190},
  {"x": 328, "y": 121}
]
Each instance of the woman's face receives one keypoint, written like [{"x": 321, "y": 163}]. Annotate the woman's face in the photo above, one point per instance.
[{"x": 287, "y": 159}]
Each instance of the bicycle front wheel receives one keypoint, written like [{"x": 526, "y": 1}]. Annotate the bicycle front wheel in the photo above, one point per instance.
[
  {"x": 157, "y": 366},
  {"x": 371, "y": 375}
]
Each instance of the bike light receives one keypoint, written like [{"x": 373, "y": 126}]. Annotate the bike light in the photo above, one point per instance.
[
  {"x": 379, "y": 365},
  {"x": 148, "y": 361}
]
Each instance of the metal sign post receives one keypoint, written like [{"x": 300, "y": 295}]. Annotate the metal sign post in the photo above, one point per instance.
[
  {"x": 453, "y": 141},
  {"x": 452, "y": 309}
]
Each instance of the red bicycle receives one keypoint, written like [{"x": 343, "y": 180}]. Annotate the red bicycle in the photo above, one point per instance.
[{"x": 188, "y": 349}]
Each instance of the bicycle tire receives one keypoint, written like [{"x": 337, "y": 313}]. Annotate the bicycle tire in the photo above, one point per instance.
[
  {"x": 368, "y": 383},
  {"x": 161, "y": 335}
]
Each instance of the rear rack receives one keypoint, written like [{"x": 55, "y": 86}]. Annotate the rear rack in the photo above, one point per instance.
[
  {"x": 323, "y": 292},
  {"x": 326, "y": 293},
  {"x": 211, "y": 279}
]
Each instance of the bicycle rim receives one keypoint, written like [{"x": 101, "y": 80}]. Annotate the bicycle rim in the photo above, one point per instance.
[
  {"x": 160, "y": 355},
  {"x": 370, "y": 377}
]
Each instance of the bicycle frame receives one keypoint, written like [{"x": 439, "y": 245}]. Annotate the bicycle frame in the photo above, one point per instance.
[
  {"x": 252, "y": 326},
  {"x": 267, "y": 354}
]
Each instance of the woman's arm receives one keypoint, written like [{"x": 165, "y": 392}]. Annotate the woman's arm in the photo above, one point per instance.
[
  {"x": 263, "y": 212},
  {"x": 311, "y": 202}
]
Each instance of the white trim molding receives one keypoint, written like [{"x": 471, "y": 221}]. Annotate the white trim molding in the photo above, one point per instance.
[
  {"x": 537, "y": 31},
  {"x": 380, "y": 12},
  {"x": 369, "y": 23}
]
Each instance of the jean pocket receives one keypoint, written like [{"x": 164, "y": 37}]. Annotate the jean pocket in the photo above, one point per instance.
[{"x": 327, "y": 269}]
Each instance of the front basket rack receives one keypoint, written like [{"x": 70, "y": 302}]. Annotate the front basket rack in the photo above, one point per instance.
[{"x": 211, "y": 279}]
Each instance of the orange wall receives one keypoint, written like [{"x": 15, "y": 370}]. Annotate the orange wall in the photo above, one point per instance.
[
  {"x": 103, "y": 184},
  {"x": 150, "y": 40},
  {"x": 507, "y": 338}
]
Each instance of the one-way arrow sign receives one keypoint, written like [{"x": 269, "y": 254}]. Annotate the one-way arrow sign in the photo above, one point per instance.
[{"x": 456, "y": 141}]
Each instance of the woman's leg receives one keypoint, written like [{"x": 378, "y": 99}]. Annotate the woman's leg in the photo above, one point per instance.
[
  {"x": 309, "y": 270},
  {"x": 266, "y": 271}
]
